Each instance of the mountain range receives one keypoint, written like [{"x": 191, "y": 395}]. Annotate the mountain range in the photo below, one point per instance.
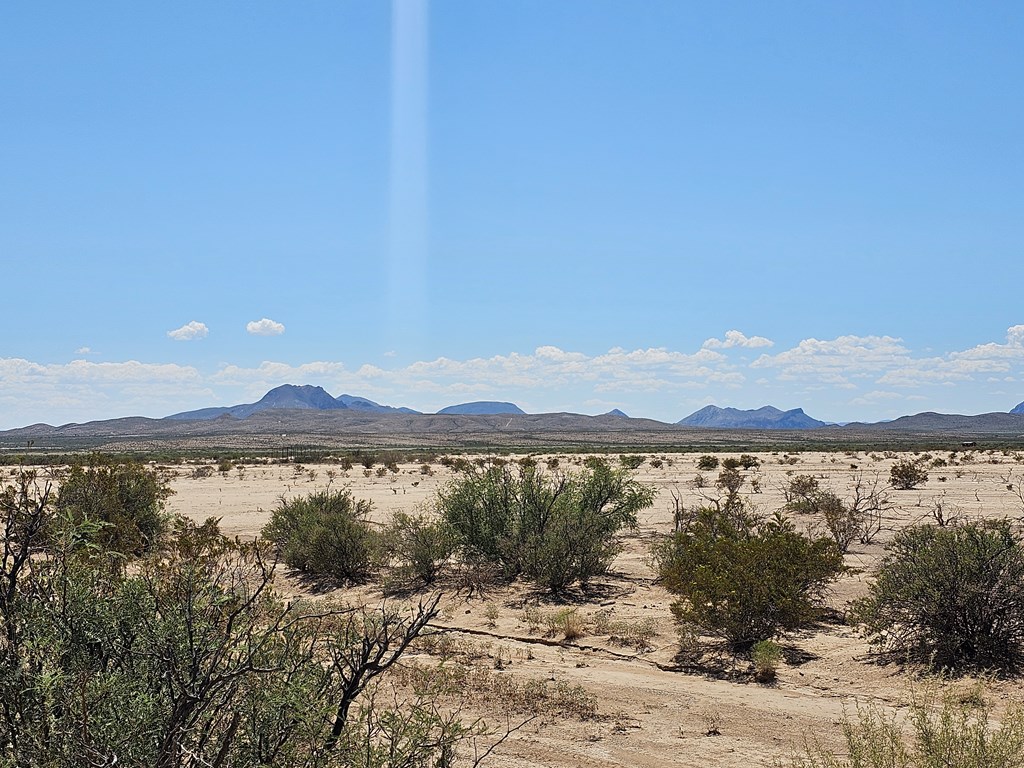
[
  {"x": 310, "y": 414},
  {"x": 310, "y": 398}
]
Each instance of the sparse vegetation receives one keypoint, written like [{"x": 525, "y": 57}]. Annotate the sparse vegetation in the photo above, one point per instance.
[
  {"x": 189, "y": 658},
  {"x": 506, "y": 649},
  {"x": 947, "y": 731}
]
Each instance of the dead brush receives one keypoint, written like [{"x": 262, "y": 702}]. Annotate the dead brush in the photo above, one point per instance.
[
  {"x": 628, "y": 634},
  {"x": 506, "y": 692}
]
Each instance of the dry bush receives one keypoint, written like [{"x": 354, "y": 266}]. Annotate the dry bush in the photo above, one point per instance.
[{"x": 947, "y": 731}]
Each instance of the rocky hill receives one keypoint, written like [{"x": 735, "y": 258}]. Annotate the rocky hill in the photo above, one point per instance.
[
  {"x": 482, "y": 408},
  {"x": 362, "y": 404},
  {"x": 767, "y": 417}
]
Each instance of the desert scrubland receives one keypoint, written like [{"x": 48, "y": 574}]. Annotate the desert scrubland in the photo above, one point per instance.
[{"x": 618, "y": 693}]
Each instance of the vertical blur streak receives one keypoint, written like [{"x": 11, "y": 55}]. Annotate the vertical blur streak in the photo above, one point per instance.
[{"x": 407, "y": 244}]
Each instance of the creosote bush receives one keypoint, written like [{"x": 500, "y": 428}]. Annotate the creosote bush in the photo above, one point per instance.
[
  {"x": 951, "y": 597},
  {"x": 325, "y": 533},
  {"x": 123, "y": 503},
  {"x": 555, "y": 529},
  {"x": 631, "y": 461},
  {"x": 906, "y": 475},
  {"x": 707, "y": 463},
  {"x": 421, "y": 545},
  {"x": 742, "y": 577}
]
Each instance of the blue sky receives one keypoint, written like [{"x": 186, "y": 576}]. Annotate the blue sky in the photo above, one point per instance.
[{"x": 575, "y": 206}]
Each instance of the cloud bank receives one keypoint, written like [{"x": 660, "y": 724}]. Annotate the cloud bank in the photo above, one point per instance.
[{"x": 844, "y": 378}]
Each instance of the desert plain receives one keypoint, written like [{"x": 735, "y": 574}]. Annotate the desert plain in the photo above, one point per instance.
[{"x": 618, "y": 694}]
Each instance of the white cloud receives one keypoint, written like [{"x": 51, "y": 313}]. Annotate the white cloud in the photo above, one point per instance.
[
  {"x": 875, "y": 397},
  {"x": 83, "y": 351},
  {"x": 738, "y": 339},
  {"x": 264, "y": 327},
  {"x": 546, "y": 369},
  {"x": 849, "y": 362},
  {"x": 190, "y": 331},
  {"x": 865, "y": 373},
  {"x": 836, "y": 361}
]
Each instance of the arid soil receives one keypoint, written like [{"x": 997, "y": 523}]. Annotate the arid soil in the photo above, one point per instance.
[{"x": 617, "y": 695}]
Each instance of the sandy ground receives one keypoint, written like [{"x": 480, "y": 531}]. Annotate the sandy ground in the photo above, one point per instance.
[{"x": 649, "y": 713}]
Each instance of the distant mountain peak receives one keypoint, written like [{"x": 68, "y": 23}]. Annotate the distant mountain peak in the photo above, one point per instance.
[
  {"x": 616, "y": 412},
  {"x": 765, "y": 417},
  {"x": 294, "y": 397},
  {"x": 300, "y": 396},
  {"x": 483, "y": 408},
  {"x": 1018, "y": 409}
]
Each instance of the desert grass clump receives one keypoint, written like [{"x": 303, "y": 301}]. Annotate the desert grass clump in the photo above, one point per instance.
[
  {"x": 946, "y": 731},
  {"x": 567, "y": 622},
  {"x": 765, "y": 656}
]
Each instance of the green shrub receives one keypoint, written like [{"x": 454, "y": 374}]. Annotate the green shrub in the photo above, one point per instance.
[
  {"x": 707, "y": 463},
  {"x": 952, "y": 597},
  {"x": 631, "y": 461},
  {"x": 421, "y": 545},
  {"x": 749, "y": 462},
  {"x": 123, "y": 502},
  {"x": 799, "y": 490},
  {"x": 743, "y": 578},
  {"x": 325, "y": 534},
  {"x": 906, "y": 475},
  {"x": 553, "y": 529}
]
